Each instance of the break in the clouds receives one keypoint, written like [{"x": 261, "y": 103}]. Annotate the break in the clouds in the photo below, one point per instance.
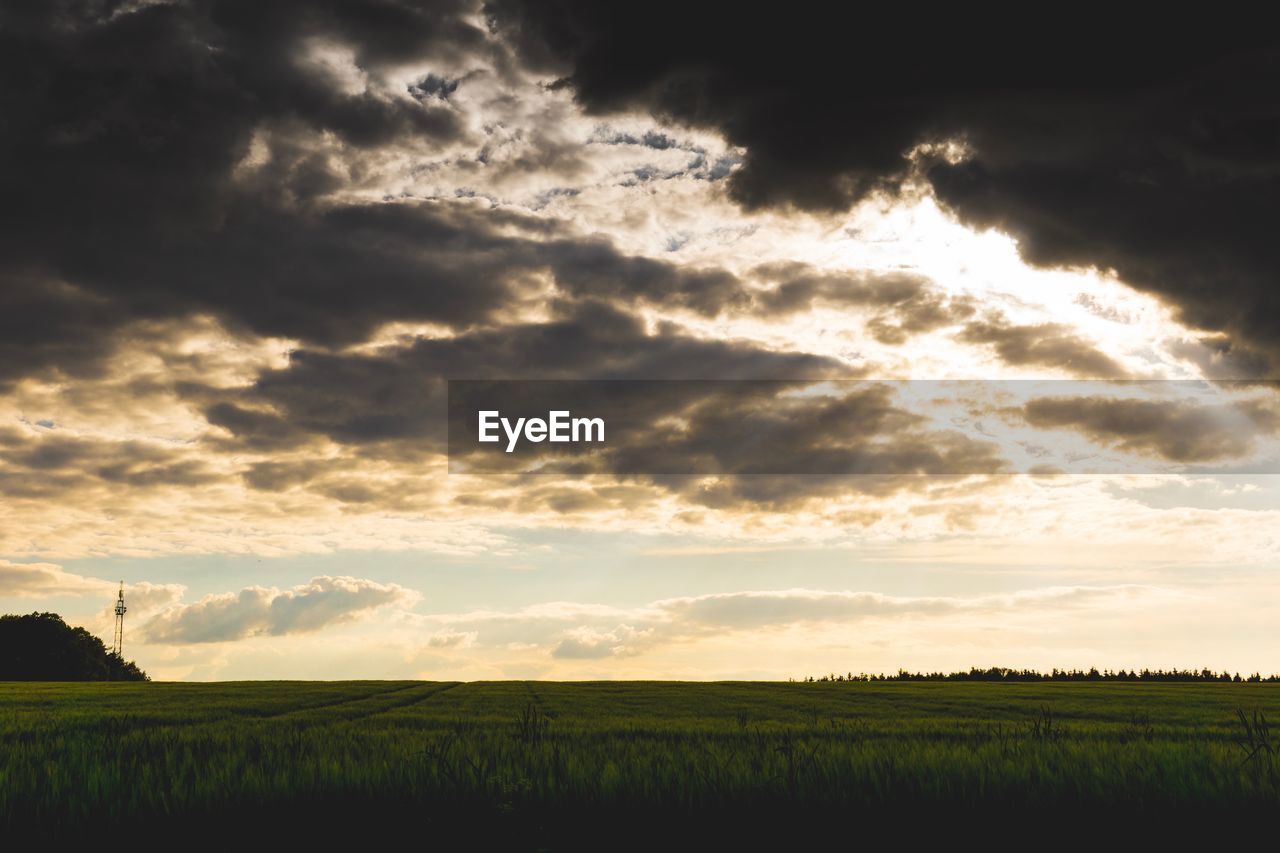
[
  {"x": 1142, "y": 146},
  {"x": 244, "y": 246}
]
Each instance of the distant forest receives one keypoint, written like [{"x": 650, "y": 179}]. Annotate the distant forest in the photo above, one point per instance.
[
  {"x": 41, "y": 647},
  {"x": 999, "y": 673}
]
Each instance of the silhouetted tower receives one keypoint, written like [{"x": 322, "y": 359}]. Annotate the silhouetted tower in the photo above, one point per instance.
[{"x": 118, "y": 648}]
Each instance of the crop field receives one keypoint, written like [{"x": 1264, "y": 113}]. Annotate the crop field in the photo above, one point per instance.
[{"x": 543, "y": 764}]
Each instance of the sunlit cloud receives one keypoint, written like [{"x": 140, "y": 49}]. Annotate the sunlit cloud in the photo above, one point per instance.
[
  {"x": 255, "y": 611},
  {"x": 234, "y": 291}
]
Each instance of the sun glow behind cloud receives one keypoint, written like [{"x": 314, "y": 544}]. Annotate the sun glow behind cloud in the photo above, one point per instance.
[{"x": 277, "y": 432}]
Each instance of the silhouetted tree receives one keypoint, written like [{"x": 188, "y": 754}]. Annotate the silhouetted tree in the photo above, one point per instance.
[
  {"x": 41, "y": 647},
  {"x": 999, "y": 673}
]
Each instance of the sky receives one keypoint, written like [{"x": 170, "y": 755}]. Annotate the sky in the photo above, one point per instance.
[{"x": 1015, "y": 299}]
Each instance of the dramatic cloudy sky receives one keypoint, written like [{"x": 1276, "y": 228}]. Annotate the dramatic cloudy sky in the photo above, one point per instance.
[{"x": 243, "y": 245}]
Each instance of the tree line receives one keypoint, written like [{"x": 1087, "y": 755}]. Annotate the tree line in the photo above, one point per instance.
[{"x": 1000, "y": 673}]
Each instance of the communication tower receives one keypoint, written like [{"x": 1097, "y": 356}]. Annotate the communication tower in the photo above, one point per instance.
[{"x": 120, "y": 609}]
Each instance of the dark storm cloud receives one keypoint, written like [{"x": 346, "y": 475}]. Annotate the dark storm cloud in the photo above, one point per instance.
[
  {"x": 280, "y": 476},
  {"x": 759, "y": 428},
  {"x": 722, "y": 444},
  {"x": 125, "y": 131},
  {"x": 45, "y": 321},
  {"x": 903, "y": 304},
  {"x": 254, "y": 429},
  {"x": 47, "y": 464},
  {"x": 121, "y": 130},
  {"x": 595, "y": 268},
  {"x": 1049, "y": 345},
  {"x": 332, "y": 276},
  {"x": 390, "y": 405},
  {"x": 769, "y": 450},
  {"x": 1145, "y": 144},
  {"x": 1219, "y": 356},
  {"x": 1176, "y": 430},
  {"x": 398, "y": 393}
]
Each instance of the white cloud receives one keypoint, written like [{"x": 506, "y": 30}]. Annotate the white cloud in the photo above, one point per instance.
[
  {"x": 256, "y": 610},
  {"x": 451, "y": 639},
  {"x": 48, "y": 580},
  {"x": 748, "y": 610},
  {"x": 591, "y": 632},
  {"x": 38, "y": 580},
  {"x": 588, "y": 643}
]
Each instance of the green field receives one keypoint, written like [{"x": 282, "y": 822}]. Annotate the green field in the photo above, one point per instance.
[{"x": 537, "y": 760}]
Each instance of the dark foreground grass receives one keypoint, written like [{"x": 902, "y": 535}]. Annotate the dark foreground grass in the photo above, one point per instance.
[{"x": 602, "y": 764}]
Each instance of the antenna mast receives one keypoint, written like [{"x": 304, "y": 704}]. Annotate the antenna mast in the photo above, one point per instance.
[{"x": 120, "y": 609}]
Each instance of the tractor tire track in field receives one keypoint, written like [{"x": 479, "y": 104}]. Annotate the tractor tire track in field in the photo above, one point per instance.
[
  {"x": 346, "y": 700},
  {"x": 333, "y": 707},
  {"x": 538, "y": 701},
  {"x": 405, "y": 703},
  {"x": 252, "y": 716}
]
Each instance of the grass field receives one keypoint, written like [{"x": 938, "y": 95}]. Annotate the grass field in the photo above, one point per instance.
[{"x": 543, "y": 763}]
